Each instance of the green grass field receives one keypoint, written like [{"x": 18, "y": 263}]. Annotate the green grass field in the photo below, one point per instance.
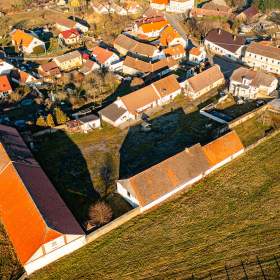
[{"x": 231, "y": 215}]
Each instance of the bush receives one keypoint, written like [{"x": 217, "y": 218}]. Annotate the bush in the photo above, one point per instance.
[{"x": 100, "y": 214}]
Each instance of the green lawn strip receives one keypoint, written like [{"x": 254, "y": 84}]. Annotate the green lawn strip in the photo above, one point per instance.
[{"x": 228, "y": 216}]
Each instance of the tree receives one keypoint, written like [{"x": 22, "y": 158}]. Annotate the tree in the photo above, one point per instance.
[
  {"x": 41, "y": 121},
  {"x": 50, "y": 122},
  {"x": 60, "y": 116},
  {"x": 100, "y": 214}
]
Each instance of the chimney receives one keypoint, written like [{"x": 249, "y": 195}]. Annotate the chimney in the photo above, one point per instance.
[
  {"x": 219, "y": 31},
  {"x": 234, "y": 37}
]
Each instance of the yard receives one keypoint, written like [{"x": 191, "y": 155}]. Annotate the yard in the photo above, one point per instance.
[
  {"x": 227, "y": 217},
  {"x": 84, "y": 167}
]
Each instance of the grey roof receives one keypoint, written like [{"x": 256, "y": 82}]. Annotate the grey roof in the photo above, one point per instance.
[
  {"x": 112, "y": 112},
  {"x": 68, "y": 56},
  {"x": 89, "y": 118}
]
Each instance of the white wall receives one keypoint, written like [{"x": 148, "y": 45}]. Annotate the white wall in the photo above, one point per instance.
[
  {"x": 129, "y": 198},
  {"x": 32, "y": 266}
]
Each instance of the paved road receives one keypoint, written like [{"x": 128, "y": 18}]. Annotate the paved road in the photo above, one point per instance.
[{"x": 227, "y": 66}]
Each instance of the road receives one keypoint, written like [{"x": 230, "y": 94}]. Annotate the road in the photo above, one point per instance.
[{"x": 227, "y": 66}]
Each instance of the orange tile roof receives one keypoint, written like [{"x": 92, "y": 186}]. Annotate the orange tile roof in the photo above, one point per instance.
[
  {"x": 101, "y": 54},
  {"x": 195, "y": 51},
  {"x": 163, "y": 2},
  {"x": 174, "y": 50},
  {"x": 168, "y": 35},
  {"x": 222, "y": 148},
  {"x": 4, "y": 84},
  {"x": 21, "y": 38},
  {"x": 31, "y": 210},
  {"x": 153, "y": 26}
]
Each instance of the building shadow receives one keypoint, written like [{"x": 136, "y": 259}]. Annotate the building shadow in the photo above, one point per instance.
[
  {"x": 170, "y": 134},
  {"x": 65, "y": 165}
]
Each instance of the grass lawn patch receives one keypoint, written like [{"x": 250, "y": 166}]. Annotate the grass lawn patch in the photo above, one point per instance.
[{"x": 230, "y": 215}]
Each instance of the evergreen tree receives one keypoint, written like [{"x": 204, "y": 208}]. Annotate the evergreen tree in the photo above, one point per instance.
[
  {"x": 50, "y": 122},
  {"x": 41, "y": 121},
  {"x": 60, "y": 116}
]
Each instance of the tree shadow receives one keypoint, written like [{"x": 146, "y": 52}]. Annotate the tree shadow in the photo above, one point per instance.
[
  {"x": 170, "y": 134},
  {"x": 67, "y": 168}
]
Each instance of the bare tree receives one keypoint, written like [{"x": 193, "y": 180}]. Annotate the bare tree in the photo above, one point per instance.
[{"x": 100, "y": 214}]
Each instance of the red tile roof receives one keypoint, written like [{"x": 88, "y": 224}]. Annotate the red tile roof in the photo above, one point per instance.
[
  {"x": 4, "y": 84},
  {"x": 31, "y": 210},
  {"x": 101, "y": 54},
  {"x": 70, "y": 33}
]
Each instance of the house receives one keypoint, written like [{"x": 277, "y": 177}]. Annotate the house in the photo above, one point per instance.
[
  {"x": 151, "y": 28},
  {"x": 175, "y": 52},
  {"x": 5, "y": 67},
  {"x": 103, "y": 56},
  {"x": 49, "y": 69},
  {"x": 223, "y": 43},
  {"x": 70, "y": 37},
  {"x": 159, "y": 4},
  {"x": 114, "y": 114},
  {"x": 27, "y": 42},
  {"x": 205, "y": 81},
  {"x": 5, "y": 87},
  {"x": 197, "y": 54},
  {"x": 23, "y": 78},
  {"x": 88, "y": 67},
  {"x": 133, "y": 105},
  {"x": 264, "y": 57},
  {"x": 69, "y": 61},
  {"x": 101, "y": 8},
  {"x": 63, "y": 24},
  {"x": 124, "y": 44},
  {"x": 179, "y": 6},
  {"x": 132, "y": 7},
  {"x": 251, "y": 84},
  {"x": 161, "y": 181},
  {"x": 84, "y": 124},
  {"x": 40, "y": 226},
  {"x": 170, "y": 37},
  {"x": 248, "y": 15},
  {"x": 150, "y": 13},
  {"x": 121, "y": 11},
  {"x": 211, "y": 9},
  {"x": 134, "y": 66}
]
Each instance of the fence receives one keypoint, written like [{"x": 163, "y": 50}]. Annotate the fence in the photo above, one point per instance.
[{"x": 257, "y": 268}]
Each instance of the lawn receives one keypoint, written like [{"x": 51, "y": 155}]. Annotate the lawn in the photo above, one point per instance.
[{"x": 230, "y": 215}]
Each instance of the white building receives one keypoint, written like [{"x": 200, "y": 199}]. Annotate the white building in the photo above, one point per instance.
[
  {"x": 159, "y": 4},
  {"x": 250, "y": 84},
  {"x": 5, "y": 67},
  {"x": 224, "y": 44},
  {"x": 104, "y": 57},
  {"x": 264, "y": 57},
  {"x": 179, "y": 6},
  {"x": 161, "y": 181},
  {"x": 27, "y": 42},
  {"x": 133, "y": 105},
  {"x": 197, "y": 55}
]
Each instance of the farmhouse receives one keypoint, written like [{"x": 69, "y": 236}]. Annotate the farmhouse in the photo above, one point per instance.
[
  {"x": 124, "y": 44},
  {"x": 49, "y": 70},
  {"x": 70, "y": 37},
  {"x": 161, "y": 181},
  {"x": 133, "y": 105},
  {"x": 223, "y": 43},
  {"x": 69, "y": 61},
  {"x": 250, "y": 84},
  {"x": 84, "y": 124},
  {"x": 211, "y": 9},
  {"x": 248, "y": 15},
  {"x": 5, "y": 67},
  {"x": 5, "y": 86},
  {"x": 170, "y": 37},
  {"x": 88, "y": 67},
  {"x": 27, "y": 42},
  {"x": 103, "y": 56},
  {"x": 37, "y": 221},
  {"x": 152, "y": 28},
  {"x": 135, "y": 66},
  {"x": 63, "y": 24},
  {"x": 176, "y": 52},
  {"x": 197, "y": 55},
  {"x": 179, "y": 6},
  {"x": 159, "y": 4},
  {"x": 203, "y": 82},
  {"x": 264, "y": 57}
]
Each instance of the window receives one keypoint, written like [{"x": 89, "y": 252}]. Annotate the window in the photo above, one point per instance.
[{"x": 128, "y": 194}]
